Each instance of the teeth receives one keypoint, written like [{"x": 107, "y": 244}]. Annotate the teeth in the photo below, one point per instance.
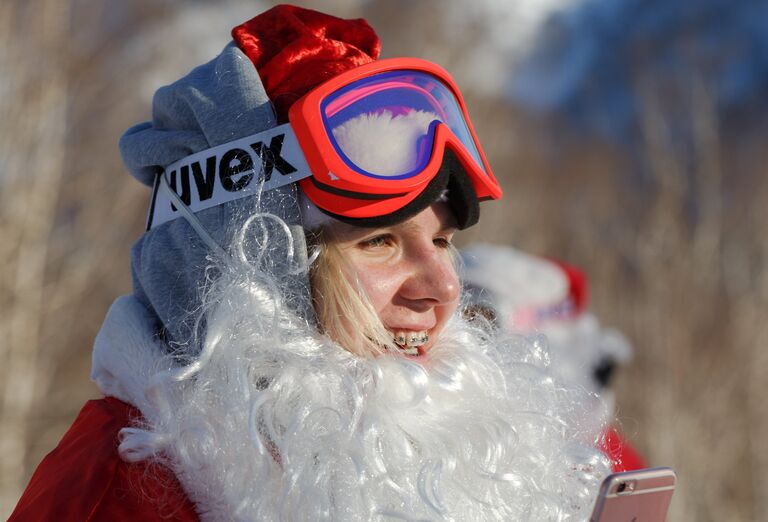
[
  {"x": 409, "y": 342},
  {"x": 417, "y": 338}
]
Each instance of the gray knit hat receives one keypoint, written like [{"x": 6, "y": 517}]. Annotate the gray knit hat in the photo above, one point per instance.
[{"x": 215, "y": 103}]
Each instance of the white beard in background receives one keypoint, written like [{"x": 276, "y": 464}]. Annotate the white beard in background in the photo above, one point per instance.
[
  {"x": 274, "y": 422},
  {"x": 531, "y": 296}
]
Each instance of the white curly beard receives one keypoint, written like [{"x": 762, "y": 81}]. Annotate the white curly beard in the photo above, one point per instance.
[{"x": 273, "y": 421}]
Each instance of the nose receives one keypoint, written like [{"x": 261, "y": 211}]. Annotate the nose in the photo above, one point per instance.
[{"x": 432, "y": 280}]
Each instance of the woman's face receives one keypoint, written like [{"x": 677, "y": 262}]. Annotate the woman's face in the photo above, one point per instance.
[{"x": 407, "y": 273}]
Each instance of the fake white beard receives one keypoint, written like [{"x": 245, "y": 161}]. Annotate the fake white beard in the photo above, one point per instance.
[{"x": 273, "y": 421}]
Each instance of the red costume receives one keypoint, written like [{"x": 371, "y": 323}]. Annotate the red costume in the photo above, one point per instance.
[{"x": 84, "y": 479}]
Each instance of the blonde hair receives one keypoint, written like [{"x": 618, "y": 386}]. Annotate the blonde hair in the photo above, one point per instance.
[{"x": 344, "y": 312}]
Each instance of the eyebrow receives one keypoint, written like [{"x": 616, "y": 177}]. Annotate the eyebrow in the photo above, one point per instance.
[
  {"x": 345, "y": 229},
  {"x": 447, "y": 226}
]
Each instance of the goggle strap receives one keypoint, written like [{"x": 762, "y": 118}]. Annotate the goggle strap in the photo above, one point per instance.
[
  {"x": 228, "y": 172},
  {"x": 187, "y": 214}
]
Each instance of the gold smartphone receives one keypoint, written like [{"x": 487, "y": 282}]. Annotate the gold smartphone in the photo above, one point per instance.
[{"x": 635, "y": 496}]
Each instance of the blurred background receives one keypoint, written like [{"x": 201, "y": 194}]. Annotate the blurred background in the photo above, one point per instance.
[{"x": 629, "y": 137}]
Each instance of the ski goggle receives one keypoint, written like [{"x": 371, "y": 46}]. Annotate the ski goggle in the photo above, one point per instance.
[{"x": 370, "y": 146}]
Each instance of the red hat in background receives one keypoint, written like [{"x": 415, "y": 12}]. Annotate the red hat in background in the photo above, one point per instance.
[{"x": 578, "y": 286}]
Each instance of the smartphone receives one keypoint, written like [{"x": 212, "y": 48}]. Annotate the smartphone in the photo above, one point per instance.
[{"x": 635, "y": 496}]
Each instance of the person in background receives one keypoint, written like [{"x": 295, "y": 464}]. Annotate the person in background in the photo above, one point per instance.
[
  {"x": 292, "y": 348},
  {"x": 538, "y": 297}
]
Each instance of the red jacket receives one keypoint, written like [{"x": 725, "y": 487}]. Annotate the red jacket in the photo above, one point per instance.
[
  {"x": 623, "y": 456},
  {"x": 84, "y": 478}
]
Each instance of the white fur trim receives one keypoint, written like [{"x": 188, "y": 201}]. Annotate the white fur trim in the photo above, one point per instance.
[
  {"x": 519, "y": 280},
  {"x": 126, "y": 353},
  {"x": 381, "y": 143}
]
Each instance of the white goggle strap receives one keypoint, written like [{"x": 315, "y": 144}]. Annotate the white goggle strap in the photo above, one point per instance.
[
  {"x": 227, "y": 172},
  {"x": 187, "y": 214}
]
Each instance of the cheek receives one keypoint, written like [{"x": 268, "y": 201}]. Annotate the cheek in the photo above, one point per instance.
[{"x": 380, "y": 284}]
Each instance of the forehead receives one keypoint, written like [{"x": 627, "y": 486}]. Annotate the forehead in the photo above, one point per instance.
[{"x": 435, "y": 218}]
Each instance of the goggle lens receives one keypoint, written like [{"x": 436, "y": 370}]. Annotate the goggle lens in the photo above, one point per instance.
[{"x": 409, "y": 105}]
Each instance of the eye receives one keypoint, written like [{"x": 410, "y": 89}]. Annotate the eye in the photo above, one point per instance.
[
  {"x": 377, "y": 241},
  {"x": 442, "y": 241}
]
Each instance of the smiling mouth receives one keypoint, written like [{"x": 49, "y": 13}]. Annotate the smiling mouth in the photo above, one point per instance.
[{"x": 410, "y": 342}]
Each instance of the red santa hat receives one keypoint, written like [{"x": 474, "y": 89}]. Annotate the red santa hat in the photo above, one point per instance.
[
  {"x": 525, "y": 291},
  {"x": 296, "y": 49}
]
